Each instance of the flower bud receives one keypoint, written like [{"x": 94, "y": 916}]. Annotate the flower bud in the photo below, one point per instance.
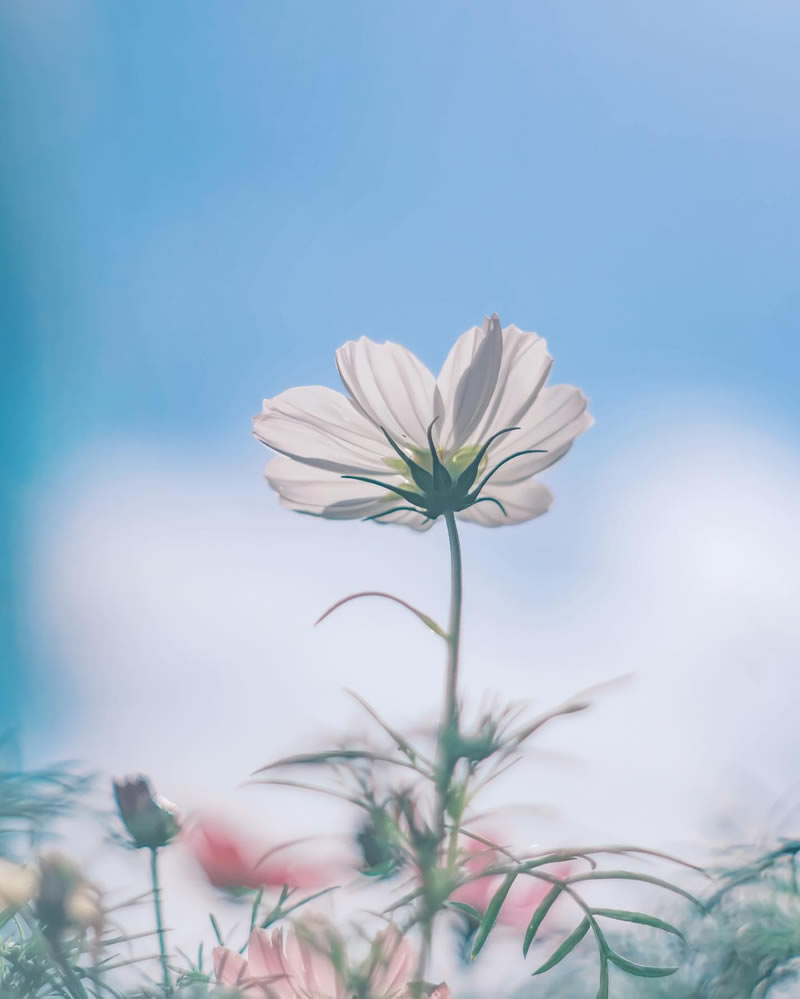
[
  {"x": 150, "y": 819},
  {"x": 381, "y": 845}
]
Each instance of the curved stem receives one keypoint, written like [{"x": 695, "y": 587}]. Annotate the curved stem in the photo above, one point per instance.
[{"x": 162, "y": 947}]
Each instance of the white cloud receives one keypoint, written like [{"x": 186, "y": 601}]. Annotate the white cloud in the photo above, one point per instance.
[{"x": 179, "y": 600}]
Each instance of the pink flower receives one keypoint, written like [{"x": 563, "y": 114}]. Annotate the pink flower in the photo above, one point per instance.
[
  {"x": 392, "y": 965},
  {"x": 294, "y": 968},
  {"x": 525, "y": 896},
  {"x": 301, "y": 965},
  {"x": 228, "y": 863}
]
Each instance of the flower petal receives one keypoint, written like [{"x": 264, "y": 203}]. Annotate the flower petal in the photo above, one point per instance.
[
  {"x": 267, "y": 963},
  {"x": 394, "y": 964},
  {"x": 327, "y": 494},
  {"x": 467, "y": 381},
  {"x": 551, "y": 425},
  {"x": 407, "y": 518},
  {"x": 230, "y": 968},
  {"x": 390, "y": 386},
  {"x": 312, "y": 969},
  {"x": 522, "y": 501},
  {"x": 322, "y": 428},
  {"x": 523, "y": 371}
]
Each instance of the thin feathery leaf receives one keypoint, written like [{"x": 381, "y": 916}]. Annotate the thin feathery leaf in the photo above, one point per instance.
[{"x": 426, "y": 620}]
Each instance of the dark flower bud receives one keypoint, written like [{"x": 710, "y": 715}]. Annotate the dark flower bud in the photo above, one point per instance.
[
  {"x": 150, "y": 819},
  {"x": 381, "y": 845}
]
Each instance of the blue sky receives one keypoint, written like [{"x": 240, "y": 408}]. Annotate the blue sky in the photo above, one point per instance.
[{"x": 201, "y": 201}]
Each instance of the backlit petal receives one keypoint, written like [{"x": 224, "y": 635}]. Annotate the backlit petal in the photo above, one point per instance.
[
  {"x": 521, "y": 500},
  {"x": 390, "y": 386},
  {"x": 416, "y": 521},
  {"x": 523, "y": 371},
  {"x": 551, "y": 425},
  {"x": 326, "y": 494},
  {"x": 323, "y": 428},
  {"x": 467, "y": 382}
]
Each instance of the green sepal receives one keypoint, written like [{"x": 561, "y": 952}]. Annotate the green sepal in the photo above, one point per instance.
[
  {"x": 441, "y": 477},
  {"x": 406, "y": 494},
  {"x": 421, "y": 476},
  {"x": 470, "y": 473}
]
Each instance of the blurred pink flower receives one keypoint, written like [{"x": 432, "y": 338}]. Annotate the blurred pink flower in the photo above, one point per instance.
[
  {"x": 280, "y": 969},
  {"x": 300, "y": 965},
  {"x": 228, "y": 863},
  {"x": 392, "y": 965},
  {"x": 525, "y": 895}
]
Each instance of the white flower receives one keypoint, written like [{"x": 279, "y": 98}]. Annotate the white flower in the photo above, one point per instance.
[{"x": 405, "y": 447}]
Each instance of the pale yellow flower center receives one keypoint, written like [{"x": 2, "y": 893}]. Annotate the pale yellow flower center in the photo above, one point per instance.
[{"x": 455, "y": 463}]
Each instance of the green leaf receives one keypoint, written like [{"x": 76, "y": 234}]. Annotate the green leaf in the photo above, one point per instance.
[
  {"x": 215, "y": 928},
  {"x": 326, "y": 756},
  {"x": 280, "y": 913},
  {"x": 642, "y": 918},
  {"x": 640, "y": 970},
  {"x": 426, "y": 620},
  {"x": 538, "y": 917},
  {"x": 631, "y": 876},
  {"x": 467, "y": 910},
  {"x": 602, "y": 992},
  {"x": 492, "y": 912},
  {"x": 569, "y": 945},
  {"x": 256, "y": 907},
  {"x": 402, "y": 744}
]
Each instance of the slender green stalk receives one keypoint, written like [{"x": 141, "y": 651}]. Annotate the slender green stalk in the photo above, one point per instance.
[
  {"x": 454, "y": 628},
  {"x": 448, "y": 732},
  {"x": 162, "y": 946}
]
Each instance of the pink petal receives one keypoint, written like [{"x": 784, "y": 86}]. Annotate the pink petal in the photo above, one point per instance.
[
  {"x": 394, "y": 965},
  {"x": 230, "y": 968}
]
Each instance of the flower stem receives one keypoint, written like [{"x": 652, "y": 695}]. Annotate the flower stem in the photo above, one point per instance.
[
  {"x": 162, "y": 947},
  {"x": 454, "y": 628},
  {"x": 448, "y": 733}
]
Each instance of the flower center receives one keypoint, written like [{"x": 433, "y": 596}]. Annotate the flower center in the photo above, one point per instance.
[
  {"x": 455, "y": 463},
  {"x": 435, "y": 483}
]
